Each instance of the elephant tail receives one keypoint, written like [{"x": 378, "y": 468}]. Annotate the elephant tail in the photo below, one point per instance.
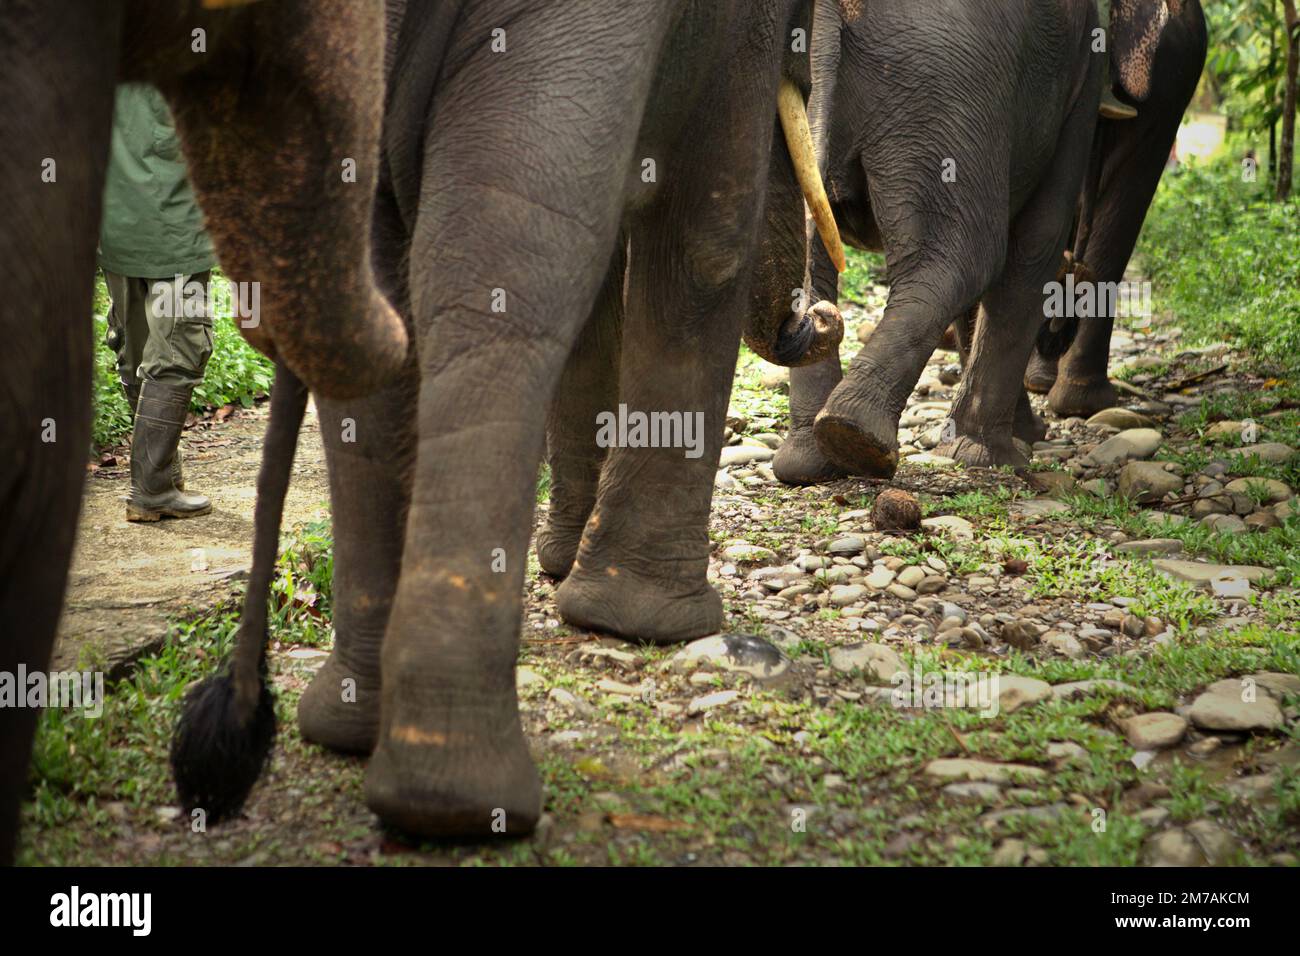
[
  {"x": 1056, "y": 337},
  {"x": 227, "y": 723}
]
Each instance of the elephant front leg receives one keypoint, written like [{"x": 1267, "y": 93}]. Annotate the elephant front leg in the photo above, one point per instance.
[
  {"x": 799, "y": 460},
  {"x": 588, "y": 387}
]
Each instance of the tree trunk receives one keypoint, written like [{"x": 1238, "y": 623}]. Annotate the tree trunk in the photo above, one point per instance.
[{"x": 1286, "y": 163}]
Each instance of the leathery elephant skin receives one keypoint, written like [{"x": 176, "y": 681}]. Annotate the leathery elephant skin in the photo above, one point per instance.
[
  {"x": 1134, "y": 154},
  {"x": 266, "y": 118},
  {"x": 981, "y": 214},
  {"x": 566, "y": 235}
]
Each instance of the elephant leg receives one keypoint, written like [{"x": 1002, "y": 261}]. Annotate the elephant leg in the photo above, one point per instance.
[
  {"x": 1082, "y": 385},
  {"x": 1040, "y": 376},
  {"x": 588, "y": 387},
  {"x": 799, "y": 460},
  {"x": 641, "y": 570},
  {"x": 369, "y": 447},
  {"x": 55, "y": 158},
  {"x": 548, "y": 161},
  {"x": 992, "y": 398}
]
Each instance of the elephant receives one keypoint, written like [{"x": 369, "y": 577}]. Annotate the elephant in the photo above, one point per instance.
[
  {"x": 1134, "y": 155},
  {"x": 270, "y": 99},
  {"x": 567, "y": 218},
  {"x": 977, "y": 217}
]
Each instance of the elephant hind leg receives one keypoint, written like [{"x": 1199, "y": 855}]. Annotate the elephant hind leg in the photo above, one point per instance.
[
  {"x": 588, "y": 387},
  {"x": 1040, "y": 376}
]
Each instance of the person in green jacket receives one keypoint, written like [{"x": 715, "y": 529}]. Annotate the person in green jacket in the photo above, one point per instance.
[{"x": 157, "y": 260}]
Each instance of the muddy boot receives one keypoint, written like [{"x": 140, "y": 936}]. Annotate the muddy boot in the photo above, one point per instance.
[
  {"x": 132, "y": 392},
  {"x": 160, "y": 416}
]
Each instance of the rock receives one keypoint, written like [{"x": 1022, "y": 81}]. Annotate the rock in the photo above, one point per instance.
[
  {"x": 1015, "y": 692},
  {"x": 1262, "y": 521},
  {"x": 744, "y": 553},
  {"x": 1224, "y": 524},
  {"x": 711, "y": 701},
  {"x": 1224, "y": 431},
  {"x": 1064, "y": 644},
  {"x": 910, "y": 577},
  {"x": 1131, "y": 443},
  {"x": 1287, "y": 509},
  {"x": 1147, "y": 481},
  {"x": 931, "y": 460},
  {"x": 1221, "y": 707},
  {"x": 847, "y": 545},
  {"x": 1277, "y": 684},
  {"x": 1218, "y": 845},
  {"x": 874, "y": 660},
  {"x": 1268, "y": 491},
  {"x": 1151, "y": 546},
  {"x": 880, "y": 578},
  {"x": 895, "y": 510},
  {"x": 775, "y": 378},
  {"x": 1021, "y": 635},
  {"x": 951, "y": 525},
  {"x": 1081, "y": 688},
  {"x": 1154, "y": 731},
  {"x": 745, "y": 455},
  {"x": 842, "y": 595},
  {"x": 1051, "y": 483},
  {"x": 740, "y": 653},
  {"x": 984, "y": 771},
  {"x": 950, "y": 374},
  {"x": 1174, "y": 847},
  {"x": 1120, "y": 418},
  {"x": 973, "y": 792},
  {"x": 1038, "y": 507},
  {"x": 1273, "y": 452},
  {"x": 527, "y": 677},
  {"x": 1204, "y": 574},
  {"x": 1009, "y": 853},
  {"x": 932, "y": 584}
]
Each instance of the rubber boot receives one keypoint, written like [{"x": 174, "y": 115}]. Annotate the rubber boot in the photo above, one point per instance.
[
  {"x": 132, "y": 392},
  {"x": 160, "y": 416}
]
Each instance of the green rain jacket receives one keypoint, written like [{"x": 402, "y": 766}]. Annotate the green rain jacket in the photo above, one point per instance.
[{"x": 152, "y": 226}]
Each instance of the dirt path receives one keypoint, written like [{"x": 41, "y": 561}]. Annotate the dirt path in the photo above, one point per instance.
[{"x": 128, "y": 579}]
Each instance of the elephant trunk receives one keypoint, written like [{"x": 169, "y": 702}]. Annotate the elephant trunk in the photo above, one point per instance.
[{"x": 783, "y": 328}]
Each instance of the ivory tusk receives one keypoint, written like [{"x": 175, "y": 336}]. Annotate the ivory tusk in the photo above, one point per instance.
[{"x": 798, "y": 137}]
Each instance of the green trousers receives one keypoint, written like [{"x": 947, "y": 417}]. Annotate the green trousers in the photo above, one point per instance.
[{"x": 166, "y": 335}]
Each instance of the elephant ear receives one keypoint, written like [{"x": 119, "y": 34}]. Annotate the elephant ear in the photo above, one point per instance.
[{"x": 1135, "y": 31}]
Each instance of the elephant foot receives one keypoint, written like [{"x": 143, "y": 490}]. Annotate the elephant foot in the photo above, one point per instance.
[
  {"x": 557, "y": 546},
  {"x": 991, "y": 452},
  {"x": 340, "y": 710},
  {"x": 1028, "y": 427},
  {"x": 455, "y": 771},
  {"x": 619, "y": 601},
  {"x": 800, "y": 462},
  {"x": 859, "y": 444},
  {"x": 1040, "y": 376},
  {"x": 1081, "y": 396}
]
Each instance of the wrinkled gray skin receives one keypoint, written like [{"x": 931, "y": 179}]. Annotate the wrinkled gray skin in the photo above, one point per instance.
[
  {"x": 522, "y": 172},
  {"x": 265, "y": 116},
  {"x": 1008, "y": 93},
  {"x": 1134, "y": 157}
]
